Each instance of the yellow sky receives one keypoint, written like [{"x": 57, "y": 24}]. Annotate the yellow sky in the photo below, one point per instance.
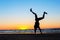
[{"x": 43, "y": 24}]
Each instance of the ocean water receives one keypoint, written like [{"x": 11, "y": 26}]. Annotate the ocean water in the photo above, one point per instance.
[{"x": 27, "y": 31}]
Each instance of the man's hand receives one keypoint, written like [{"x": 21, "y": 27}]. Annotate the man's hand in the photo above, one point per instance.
[{"x": 31, "y": 9}]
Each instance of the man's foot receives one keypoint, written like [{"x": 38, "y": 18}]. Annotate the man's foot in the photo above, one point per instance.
[{"x": 45, "y": 12}]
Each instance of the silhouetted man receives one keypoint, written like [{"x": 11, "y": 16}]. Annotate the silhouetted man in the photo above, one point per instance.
[{"x": 37, "y": 20}]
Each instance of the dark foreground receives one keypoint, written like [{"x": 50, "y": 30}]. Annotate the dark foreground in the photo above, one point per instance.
[{"x": 53, "y": 36}]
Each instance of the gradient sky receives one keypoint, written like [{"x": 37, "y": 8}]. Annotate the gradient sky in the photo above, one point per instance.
[{"x": 15, "y": 14}]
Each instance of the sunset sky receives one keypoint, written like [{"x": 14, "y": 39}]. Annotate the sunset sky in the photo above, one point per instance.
[{"x": 15, "y": 14}]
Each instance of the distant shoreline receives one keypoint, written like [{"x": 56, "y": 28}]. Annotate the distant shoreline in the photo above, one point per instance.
[{"x": 30, "y": 31}]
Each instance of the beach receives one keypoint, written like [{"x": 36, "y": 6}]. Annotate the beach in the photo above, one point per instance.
[
  {"x": 29, "y": 35},
  {"x": 53, "y": 36}
]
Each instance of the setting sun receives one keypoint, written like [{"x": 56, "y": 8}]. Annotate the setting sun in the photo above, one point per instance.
[{"x": 22, "y": 27}]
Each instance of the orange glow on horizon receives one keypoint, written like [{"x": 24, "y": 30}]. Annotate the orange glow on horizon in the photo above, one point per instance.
[
  {"x": 43, "y": 25},
  {"x": 24, "y": 27}
]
